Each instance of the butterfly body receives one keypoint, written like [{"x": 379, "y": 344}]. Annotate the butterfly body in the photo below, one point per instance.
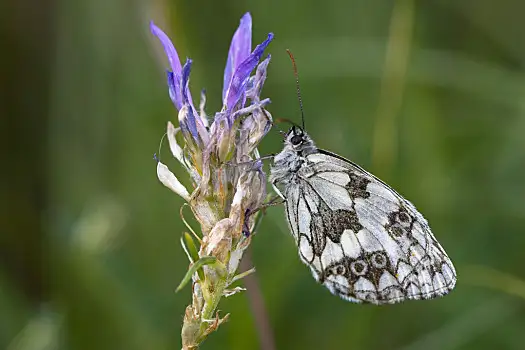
[{"x": 360, "y": 238}]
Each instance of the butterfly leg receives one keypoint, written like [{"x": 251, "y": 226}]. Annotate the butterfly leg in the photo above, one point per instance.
[
  {"x": 279, "y": 193},
  {"x": 272, "y": 202},
  {"x": 250, "y": 162}
]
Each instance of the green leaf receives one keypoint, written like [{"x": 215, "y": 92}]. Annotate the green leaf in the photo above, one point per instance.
[
  {"x": 190, "y": 245},
  {"x": 207, "y": 260},
  {"x": 193, "y": 252},
  {"x": 242, "y": 275}
]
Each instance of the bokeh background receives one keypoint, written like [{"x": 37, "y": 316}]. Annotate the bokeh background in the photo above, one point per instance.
[{"x": 429, "y": 96}]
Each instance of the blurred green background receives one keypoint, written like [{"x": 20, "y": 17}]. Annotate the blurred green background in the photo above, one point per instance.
[{"x": 427, "y": 95}]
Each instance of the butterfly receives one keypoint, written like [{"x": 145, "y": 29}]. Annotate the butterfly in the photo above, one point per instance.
[{"x": 360, "y": 238}]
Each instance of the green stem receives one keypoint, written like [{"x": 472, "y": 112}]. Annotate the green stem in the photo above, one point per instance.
[{"x": 211, "y": 301}]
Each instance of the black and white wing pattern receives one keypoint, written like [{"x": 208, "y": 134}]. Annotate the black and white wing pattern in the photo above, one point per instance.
[{"x": 360, "y": 238}]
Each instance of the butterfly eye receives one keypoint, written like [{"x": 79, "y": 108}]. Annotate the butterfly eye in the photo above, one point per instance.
[{"x": 296, "y": 139}]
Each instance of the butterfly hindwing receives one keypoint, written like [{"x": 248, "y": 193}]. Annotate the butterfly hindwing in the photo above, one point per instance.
[{"x": 360, "y": 238}]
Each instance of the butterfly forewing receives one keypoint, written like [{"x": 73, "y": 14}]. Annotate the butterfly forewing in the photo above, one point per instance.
[{"x": 360, "y": 238}]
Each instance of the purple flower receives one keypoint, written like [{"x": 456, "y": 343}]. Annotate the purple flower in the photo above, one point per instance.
[
  {"x": 239, "y": 65},
  {"x": 193, "y": 128},
  {"x": 174, "y": 76},
  {"x": 237, "y": 85},
  {"x": 228, "y": 183},
  {"x": 206, "y": 149},
  {"x": 240, "y": 49}
]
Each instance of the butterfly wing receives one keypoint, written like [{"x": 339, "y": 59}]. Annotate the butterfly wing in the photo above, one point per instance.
[{"x": 360, "y": 238}]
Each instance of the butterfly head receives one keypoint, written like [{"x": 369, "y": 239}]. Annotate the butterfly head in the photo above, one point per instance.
[{"x": 299, "y": 141}]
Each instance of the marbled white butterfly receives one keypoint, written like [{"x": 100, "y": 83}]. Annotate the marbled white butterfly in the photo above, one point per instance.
[{"x": 360, "y": 238}]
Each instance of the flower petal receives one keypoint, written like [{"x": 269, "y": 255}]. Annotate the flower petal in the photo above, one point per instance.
[
  {"x": 236, "y": 90},
  {"x": 219, "y": 240},
  {"x": 250, "y": 191},
  {"x": 254, "y": 91},
  {"x": 176, "y": 150},
  {"x": 230, "y": 292},
  {"x": 169, "y": 180},
  {"x": 173, "y": 57},
  {"x": 240, "y": 49},
  {"x": 188, "y": 125},
  {"x": 174, "y": 89},
  {"x": 176, "y": 69},
  {"x": 186, "y": 95},
  {"x": 254, "y": 127},
  {"x": 194, "y": 123},
  {"x": 202, "y": 107}
]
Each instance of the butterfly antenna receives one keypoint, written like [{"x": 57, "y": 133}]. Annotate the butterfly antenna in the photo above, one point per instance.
[{"x": 297, "y": 85}]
